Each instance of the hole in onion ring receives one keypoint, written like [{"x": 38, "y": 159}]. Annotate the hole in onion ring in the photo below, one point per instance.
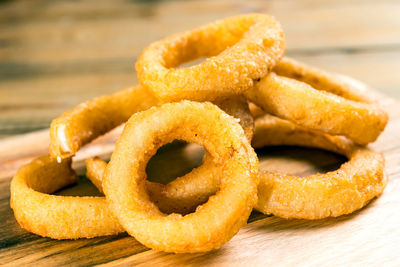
[
  {"x": 171, "y": 161},
  {"x": 305, "y": 161},
  {"x": 174, "y": 160},
  {"x": 192, "y": 62},
  {"x": 190, "y": 55},
  {"x": 83, "y": 188}
]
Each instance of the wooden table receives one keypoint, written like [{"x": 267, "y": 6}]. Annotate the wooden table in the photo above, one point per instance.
[{"x": 54, "y": 55}]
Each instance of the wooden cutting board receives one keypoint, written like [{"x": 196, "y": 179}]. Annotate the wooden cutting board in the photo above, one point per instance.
[{"x": 368, "y": 237}]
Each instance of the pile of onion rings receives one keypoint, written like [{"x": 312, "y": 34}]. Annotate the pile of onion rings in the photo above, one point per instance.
[
  {"x": 248, "y": 96},
  {"x": 314, "y": 197}
]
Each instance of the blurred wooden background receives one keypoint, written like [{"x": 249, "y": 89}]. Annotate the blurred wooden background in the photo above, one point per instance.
[{"x": 56, "y": 54}]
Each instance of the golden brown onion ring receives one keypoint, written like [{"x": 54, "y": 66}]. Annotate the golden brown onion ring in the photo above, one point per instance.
[
  {"x": 213, "y": 223},
  {"x": 93, "y": 118},
  {"x": 318, "y": 110},
  {"x": 168, "y": 198},
  {"x": 179, "y": 196},
  {"x": 318, "y": 196},
  {"x": 59, "y": 217},
  {"x": 243, "y": 48}
]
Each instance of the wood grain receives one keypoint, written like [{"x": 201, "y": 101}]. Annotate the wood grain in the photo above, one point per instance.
[{"x": 349, "y": 24}]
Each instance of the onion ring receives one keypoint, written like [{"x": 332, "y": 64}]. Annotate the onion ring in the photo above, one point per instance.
[
  {"x": 317, "y": 196},
  {"x": 58, "y": 217},
  {"x": 319, "y": 110},
  {"x": 244, "y": 48},
  {"x": 213, "y": 223},
  {"x": 314, "y": 197},
  {"x": 178, "y": 196},
  {"x": 93, "y": 118},
  {"x": 185, "y": 193}
]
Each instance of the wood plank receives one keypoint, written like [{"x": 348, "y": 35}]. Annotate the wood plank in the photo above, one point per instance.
[
  {"x": 70, "y": 37},
  {"x": 39, "y": 10}
]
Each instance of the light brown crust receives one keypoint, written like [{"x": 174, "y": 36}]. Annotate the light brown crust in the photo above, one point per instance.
[
  {"x": 318, "y": 196},
  {"x": 318, "y": 110},
  {"x": 58, "y": 217},
  {"x": 95, "y": 117},
  {"x": 213, "y": 223},
  {"x": 244, "y": 48}
]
